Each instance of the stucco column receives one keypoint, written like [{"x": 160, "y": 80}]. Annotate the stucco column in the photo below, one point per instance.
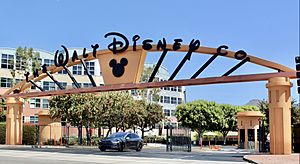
[
  {"x": 239, "y": 138},
  {"x": 246, "y": 139},
  {"x": 14, "y": 122},
  {"x": 280, "y": 115},
  {"x": 255, "y": 139}
]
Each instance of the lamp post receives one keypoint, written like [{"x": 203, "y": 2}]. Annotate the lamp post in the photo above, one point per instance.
[{"x": 262, "y": 142}]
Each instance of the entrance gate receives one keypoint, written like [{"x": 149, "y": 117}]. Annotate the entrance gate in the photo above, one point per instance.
[
  {"x": 178, "y": 139},
  {"x": 121, "y": 66}
]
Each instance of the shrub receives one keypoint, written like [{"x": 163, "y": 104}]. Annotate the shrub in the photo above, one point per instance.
[
  {"x": 2, "y": 132},
  {"x": 29, "y": 135},
  {"x": 73, "y": 140}
]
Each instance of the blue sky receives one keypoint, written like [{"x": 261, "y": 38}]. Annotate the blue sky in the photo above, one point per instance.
[{"x": 267, "y": 29}]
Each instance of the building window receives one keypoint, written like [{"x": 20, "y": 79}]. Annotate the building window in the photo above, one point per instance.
[
  {"x": 48, "y": 62},
  {"x": 35, "y": 103},
  {"x": 166, "y": 112},
  {"x": 20, "y": 64},
  {"x": 134, "y": 92},
  {"x": 64, "y": 72},
  {"x": 34, "y": 119},
  {"x": 77, "y": 69},
  {"x": 173, "y": 112},
  {"x": 87, "y": 85},
  {"x": 167, "y": 88},
  {"x": 7, "y": 61},
  {"x": 6, "y": 82},
  {"x": 173, "y": 89},
  {"x": 63, "y": 84},
  {"x": 179, "y": 89},
  {"x": 74, "y": 86},
  {"x": 173, "y": 100},
  {"x": 179, "y": 101},
  {"x": 91, "y": 67},
  {"x": 48, "y": 86},
  {"x": 161, "y": 99},
  {"x": 19, "y": 80},
  {"x": 166, "y": 99},
  {"x": 45, "y": 103}
]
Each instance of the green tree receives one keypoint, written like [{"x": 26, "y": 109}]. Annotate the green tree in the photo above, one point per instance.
[
  {"x": 150, "y": 114},
  {"x": 200, "y": 115},
  {"x": 2, "y": 110},
  {"x": 229, "y": 123},
  {"x": 295, "y": 113},
  {"x": 27, "y": 61},
  {"x": 263, "y": 106},
  {"x": 76, "y": 109},
  {"x": 116, "y": 107}
]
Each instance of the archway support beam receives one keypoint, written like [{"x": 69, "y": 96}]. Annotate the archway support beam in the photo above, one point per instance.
[{"x": 185, "y": 82}]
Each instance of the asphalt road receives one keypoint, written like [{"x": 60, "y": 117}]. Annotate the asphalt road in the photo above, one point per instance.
[{"x": 93, "y": 156}]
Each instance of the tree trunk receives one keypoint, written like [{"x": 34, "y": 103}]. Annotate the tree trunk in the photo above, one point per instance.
[
  {"x": 99, "y": 131},
  {"x": 79, "y": 134},
  {"x": 225, "y": 135},
  {"x": 143, "y": 133},
  {"x": 88, "y": 135},
  {"x": 109, "y": 129},
  {"x": 200, "y": 137}
]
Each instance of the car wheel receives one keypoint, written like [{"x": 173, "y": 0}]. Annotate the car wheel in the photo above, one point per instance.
[
  {"x": 139, "y": 147},
  {"x": 102, "y": 149},
  {"x": 121, "y": 147}
]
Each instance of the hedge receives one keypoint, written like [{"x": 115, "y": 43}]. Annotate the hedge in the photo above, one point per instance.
[
  {"x": 2, "y": 132},
  {"x": 29, "y": 135}
]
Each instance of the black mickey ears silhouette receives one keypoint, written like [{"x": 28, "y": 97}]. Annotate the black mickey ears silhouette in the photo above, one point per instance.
[
  {"x": 124, "y": 61},
  {"x": 112, "y": 63},
  {"x": 118, "y": 69}
]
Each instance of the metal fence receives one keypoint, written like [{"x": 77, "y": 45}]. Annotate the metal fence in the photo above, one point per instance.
[{"x": 178, "y": 139}]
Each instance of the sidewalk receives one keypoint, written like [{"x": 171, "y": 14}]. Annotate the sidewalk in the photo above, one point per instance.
[{"x": 273, "y": 159}]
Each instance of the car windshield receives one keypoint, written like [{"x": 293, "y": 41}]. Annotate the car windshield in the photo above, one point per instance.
[{"x": 117, "y": 135}]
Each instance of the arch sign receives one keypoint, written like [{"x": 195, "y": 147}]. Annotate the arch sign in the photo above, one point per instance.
[
  {"x": 122, "y": 64},
  {"x": 123, "y": 61}
]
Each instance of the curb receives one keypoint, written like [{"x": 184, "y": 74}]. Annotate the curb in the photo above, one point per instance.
[{"x": 249, "y": 160}]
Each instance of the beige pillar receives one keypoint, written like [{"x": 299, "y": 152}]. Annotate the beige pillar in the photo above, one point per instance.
[
  {"x": 14, "y": 122},
  {"x": 280, "y": 115},
  {"x": 239, "y": 138},
  {"x": 256, "y": 143},
  {"x": 48, "y": 128},
  {"x": 246, "y": 139}
]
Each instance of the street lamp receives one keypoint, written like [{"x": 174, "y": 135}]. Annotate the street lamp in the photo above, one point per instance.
[{"x": 261, "y": 135}]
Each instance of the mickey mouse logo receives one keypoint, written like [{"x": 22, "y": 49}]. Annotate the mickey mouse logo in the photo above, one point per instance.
[{"x": 118, "y": 69}]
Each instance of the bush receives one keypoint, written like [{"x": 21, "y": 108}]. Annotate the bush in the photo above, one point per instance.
[
  {"x": 2, "y": 132},
  {"x": 73, "y": 140},
  {"x": 29, "y": 135}
]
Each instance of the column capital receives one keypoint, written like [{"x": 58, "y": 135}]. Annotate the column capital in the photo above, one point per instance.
[
  {"x": 12, "y": 100},
  {"x": 279, "y": 81}
]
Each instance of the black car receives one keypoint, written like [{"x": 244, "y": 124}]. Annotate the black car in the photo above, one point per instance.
[{"x": 120, "y": 141}]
